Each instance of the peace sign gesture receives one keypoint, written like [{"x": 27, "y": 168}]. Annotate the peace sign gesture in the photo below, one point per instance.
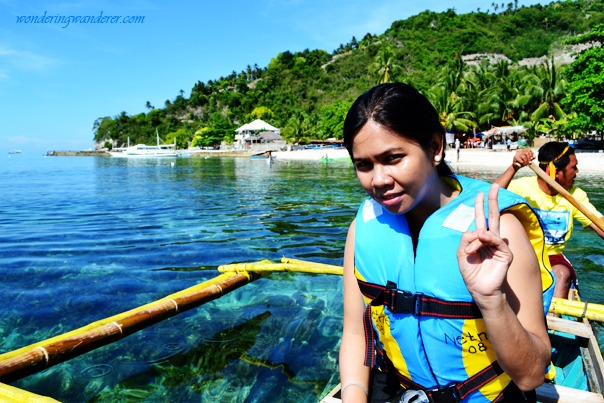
[{"x": 483, "y": 256}]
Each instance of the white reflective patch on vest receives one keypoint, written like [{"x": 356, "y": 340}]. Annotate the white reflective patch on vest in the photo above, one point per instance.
[
  {"x": 460, "y": 219},
  {"x": 371, "y": 210}
]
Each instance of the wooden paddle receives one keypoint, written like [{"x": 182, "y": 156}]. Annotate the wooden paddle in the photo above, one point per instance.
[{"x": 558, "y": 188}]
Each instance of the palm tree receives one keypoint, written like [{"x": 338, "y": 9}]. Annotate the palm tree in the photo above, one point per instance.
[
  {"x": 448, "y": 97},
  {"x": 448, "y": 106},
  {"x": 550, "y": 90},
  {"x": 479, "y": 98},
  {"x": 501, "y": 94},
  {"x": 384, "y": 65},
  {"x": 293, "y": 129}
]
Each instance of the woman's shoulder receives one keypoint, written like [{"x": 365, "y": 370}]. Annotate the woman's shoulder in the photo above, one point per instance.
[{"x": 465, "y": 183}]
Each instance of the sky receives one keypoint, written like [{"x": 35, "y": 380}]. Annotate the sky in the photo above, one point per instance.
[{"x": 58, "y": 76}]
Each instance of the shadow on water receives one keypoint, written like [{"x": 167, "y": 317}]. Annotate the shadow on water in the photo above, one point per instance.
[
  {"x": 198, "y": 371},
  {"x": 279, "y": 353}
]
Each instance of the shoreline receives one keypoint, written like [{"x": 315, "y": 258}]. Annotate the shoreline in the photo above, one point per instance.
[
  {"x": 591, "y": 162},
  {"x": 468, "y": 158}
]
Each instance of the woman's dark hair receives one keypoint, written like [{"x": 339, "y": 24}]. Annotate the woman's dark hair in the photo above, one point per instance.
[
  {"x": 551, "y": 152},
  {"x": 403, "y": 110}
]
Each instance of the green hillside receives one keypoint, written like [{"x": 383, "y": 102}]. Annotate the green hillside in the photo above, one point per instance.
[{"x": 307, "y": 93}]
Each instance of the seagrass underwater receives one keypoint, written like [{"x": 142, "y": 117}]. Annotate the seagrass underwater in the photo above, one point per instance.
[{"x": 86, "y": 238}]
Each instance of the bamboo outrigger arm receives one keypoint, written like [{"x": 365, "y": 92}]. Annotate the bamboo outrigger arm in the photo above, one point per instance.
[
  {"x": 578, "y": 309},
  {"x": 286, "y": 265},
  {"x": 17, "y": 364}
]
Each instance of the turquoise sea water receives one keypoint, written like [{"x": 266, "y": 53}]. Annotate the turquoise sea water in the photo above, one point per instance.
[{"x": 84, "y": 238}]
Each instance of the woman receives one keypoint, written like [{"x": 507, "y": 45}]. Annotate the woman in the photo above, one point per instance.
[{"x": 438, "y": 305}]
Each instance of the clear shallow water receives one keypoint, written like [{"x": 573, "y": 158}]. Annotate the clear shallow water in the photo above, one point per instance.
[{"x": 86, "y": 238}]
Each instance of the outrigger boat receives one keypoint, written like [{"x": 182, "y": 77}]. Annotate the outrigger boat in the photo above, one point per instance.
[{"x": 576, "y": 355}]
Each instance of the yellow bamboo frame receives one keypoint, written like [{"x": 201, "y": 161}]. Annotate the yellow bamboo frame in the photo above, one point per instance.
[{"x": 25, "y": 361}]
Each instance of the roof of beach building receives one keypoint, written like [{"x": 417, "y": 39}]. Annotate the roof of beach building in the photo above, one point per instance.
[{"x": 257, "y": 125}]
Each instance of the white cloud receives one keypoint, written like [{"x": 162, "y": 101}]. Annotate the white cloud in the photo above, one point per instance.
[{"x": 23, "y": 59}]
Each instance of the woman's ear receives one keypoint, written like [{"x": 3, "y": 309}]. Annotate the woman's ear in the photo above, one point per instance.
[{"x": 437, "y": 148}]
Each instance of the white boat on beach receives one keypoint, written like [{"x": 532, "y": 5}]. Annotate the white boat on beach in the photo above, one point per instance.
[{"x": 145, "y": 151}]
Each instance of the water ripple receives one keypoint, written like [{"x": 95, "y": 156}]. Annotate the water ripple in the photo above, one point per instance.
[{"x": 87, "y": 238}]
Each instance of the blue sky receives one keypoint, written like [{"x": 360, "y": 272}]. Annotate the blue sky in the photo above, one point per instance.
[{"x": 56, "y": 80}]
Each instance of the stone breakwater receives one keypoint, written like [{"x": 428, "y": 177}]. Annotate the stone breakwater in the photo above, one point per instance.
[{"x": 77, "y": 154}]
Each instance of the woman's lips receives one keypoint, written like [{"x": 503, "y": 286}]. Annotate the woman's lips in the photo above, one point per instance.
[{"x": 391, "y": 200}]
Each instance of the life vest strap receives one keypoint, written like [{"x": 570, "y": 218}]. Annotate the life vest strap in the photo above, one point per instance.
[
  {"x": 369, "y": 339},
  {"x": 417, "y": 304},
  {"x": 454, "y": 392}
]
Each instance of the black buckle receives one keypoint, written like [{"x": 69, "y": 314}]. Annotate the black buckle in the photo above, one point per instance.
[
  {"x": 404, "y": 302},
  {"x": 446, "y": 394}
]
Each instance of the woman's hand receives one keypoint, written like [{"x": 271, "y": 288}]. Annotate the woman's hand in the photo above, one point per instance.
[{"x": 483, "y": 256}]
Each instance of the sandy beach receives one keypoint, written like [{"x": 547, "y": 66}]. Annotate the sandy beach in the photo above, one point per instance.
[{"x": 592, "y": 162}]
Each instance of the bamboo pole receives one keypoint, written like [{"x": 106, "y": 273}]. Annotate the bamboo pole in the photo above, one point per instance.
[
  {"x": 578, "y": 309},
  {"x": 321, "y": 267},
  {"x": 10, "y": 394},
  {"x": 558, "y": 188},
  {"x": 31, "y": 359},
  {"x": 286, "y": 265}
]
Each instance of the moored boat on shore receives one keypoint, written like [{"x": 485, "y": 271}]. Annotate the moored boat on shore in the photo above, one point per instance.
[
  {"x": 146, "y": 151},
  {"x": 143, "y": 150}
]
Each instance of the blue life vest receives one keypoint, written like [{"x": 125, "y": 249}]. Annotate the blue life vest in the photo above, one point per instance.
[{"x": 436, "y": 349}]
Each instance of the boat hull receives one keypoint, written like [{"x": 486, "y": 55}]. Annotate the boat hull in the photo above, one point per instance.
[
  {"x": 123, "y": 154},
  {"x": 145, "y": 151}
]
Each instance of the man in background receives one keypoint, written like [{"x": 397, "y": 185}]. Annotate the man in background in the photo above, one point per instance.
[{"x": 555, "y": 212}]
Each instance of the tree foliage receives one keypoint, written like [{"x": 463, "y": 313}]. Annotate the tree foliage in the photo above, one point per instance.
[
  {"x": 585, "y": 95},
  {"x": 306, "y": 93}
]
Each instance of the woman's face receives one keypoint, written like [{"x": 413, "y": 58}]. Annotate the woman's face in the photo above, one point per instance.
[{"x": 394, "y": 171}]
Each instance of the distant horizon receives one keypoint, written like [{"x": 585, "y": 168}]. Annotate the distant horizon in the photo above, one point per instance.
[{"x": 62, "y": 66}]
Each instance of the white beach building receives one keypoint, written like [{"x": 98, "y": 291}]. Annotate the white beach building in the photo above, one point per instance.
[{"x": 258, "y": 134}]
